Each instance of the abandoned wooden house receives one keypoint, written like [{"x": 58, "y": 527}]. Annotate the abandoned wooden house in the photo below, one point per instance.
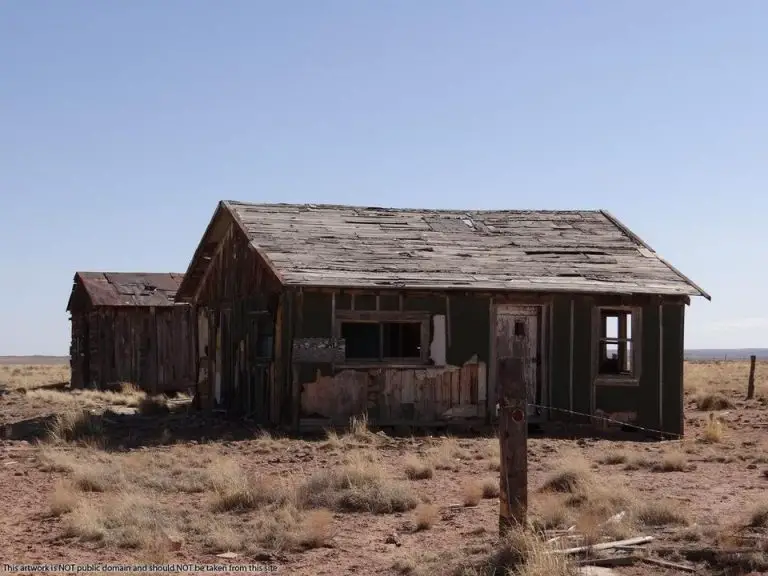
[
  {"x": 127, "y": 327},
  {"x": 310, "y": 314}
]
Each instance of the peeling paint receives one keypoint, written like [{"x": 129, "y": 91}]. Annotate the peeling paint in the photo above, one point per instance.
[
  {"x": 423, "y": 394},
  {"x": 437, "y": 346}
]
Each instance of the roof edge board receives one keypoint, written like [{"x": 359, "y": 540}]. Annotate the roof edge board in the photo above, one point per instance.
[
  {"x": 196, "y": 256},
  {"x": 255, "y": 247},
  {"x": 621, "y": 226}
]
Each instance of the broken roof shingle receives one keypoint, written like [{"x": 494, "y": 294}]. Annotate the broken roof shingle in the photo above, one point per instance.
[
  {"x": 129, "y": 288},
  {"x": 525, "y": 250}
]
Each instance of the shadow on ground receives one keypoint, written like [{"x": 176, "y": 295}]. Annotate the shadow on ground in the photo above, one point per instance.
[{"x": 124, "y": 431}]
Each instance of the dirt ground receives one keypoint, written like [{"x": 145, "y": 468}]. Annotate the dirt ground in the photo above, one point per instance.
[{"x": 150, "y": 482}]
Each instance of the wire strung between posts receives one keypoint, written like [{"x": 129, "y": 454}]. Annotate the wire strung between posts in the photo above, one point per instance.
[{"x": 606, "y": 419}]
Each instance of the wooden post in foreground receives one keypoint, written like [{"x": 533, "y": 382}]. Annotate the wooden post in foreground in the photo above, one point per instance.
[
  {"x": 751, "y": 382},
  {"x": 513, "y": 435}
]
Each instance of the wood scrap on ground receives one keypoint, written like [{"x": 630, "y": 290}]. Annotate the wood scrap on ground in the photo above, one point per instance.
[
  {"x": 666, "y": 564},
  {"x": 606, "y": 545}
]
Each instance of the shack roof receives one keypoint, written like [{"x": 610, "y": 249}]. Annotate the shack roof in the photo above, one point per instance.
[
  {"x": 126, "y": 288},
  {"x": 317, "y": 245}
]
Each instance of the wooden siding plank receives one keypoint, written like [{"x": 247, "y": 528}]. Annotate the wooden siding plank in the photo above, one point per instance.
[{"x": 673, "y": 336}]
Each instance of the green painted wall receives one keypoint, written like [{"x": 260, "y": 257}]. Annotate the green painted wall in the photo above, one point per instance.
[
  {"x": 673, "y": 317},
  {"x": 617, "y": 398},
  {"x": 648, "y": 406},
  {"x": 561, "y": 355},
  {"x": 316, "y": 320},
  {"x": 468, "y": 320},
  {"x": 470, "y": 328},
  {"x": 582, "y": 356}
]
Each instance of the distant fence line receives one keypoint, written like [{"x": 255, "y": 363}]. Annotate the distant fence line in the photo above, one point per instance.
[{"x": 723, "y": 358}]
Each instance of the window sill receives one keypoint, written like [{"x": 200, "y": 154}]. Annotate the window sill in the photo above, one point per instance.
[
  {"x": 382, "y": 364},
  {"x": 609, "y": 380}
]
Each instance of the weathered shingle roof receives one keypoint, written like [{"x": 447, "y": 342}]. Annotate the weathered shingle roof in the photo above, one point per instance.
[
  {"x": 128, "y": 288},
  {"x": 543, "y": 251}
]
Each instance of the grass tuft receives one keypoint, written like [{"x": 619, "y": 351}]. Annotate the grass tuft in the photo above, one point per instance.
[
  {"x": 713, "y": 430},
  {"x": 221, "y": 537},
  {"x": 573, "y": 477},
  {"x": 97, "y": 477},
  {"x": 661, "y": 513},
  {"x": 425, "y": 516},
  {"x": 472, "y": 493},
  {"x": 447, "y": 454},
  {"x": 85, "y": 523},
  {"x": 418, "y": 469},
  {"x": 63, "y": 499},
  {"x": 671, "y": 462},
  {"x": 759, "y": 516},
  {"x": 490, "y": 487},
  {"x": 614, "y": 457},
  {"x": 358, "y": 486},
  {"x": 235, "y": 490},
  {"x": 314, "y": 531},
  {"x": 75, "y": 424},
  {"x": 153, "y": 406},
  {"x": 549, "y": 512},
  {"x": 709, "y": 401},
  {"x": 358, "y": 429},
  {"x": 638, "y": 462},
  {"x": 525, "y": 553}
]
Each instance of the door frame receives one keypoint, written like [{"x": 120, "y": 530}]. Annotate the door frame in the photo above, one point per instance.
[{"x": 544, "y": 348}]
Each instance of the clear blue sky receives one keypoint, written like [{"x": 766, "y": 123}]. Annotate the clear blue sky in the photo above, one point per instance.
[{"x": 123, "y": 123}]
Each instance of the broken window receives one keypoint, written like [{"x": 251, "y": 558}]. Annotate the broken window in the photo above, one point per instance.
[
  {"x": 362, "y": 339},
  {"x": 615, "y": 346},
  {"x": 382, "y": 340},
  {"x": 401, "y": 339}
]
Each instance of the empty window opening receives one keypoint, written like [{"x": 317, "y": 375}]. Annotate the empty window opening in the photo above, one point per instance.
[
  {"x": 382, "y": 340},
  {"x": 401, "y": 339},
  {"x": 616, "y": 342},
  {"x": 519, "y": 328},
  {"x": 362, "y": 339}
]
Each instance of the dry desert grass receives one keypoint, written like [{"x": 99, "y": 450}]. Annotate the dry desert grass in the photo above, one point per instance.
[
  {"x": 721, "y": 378},
  {"x": 126, "y": 501},
  {"x": 30, "y": 377},
  {"x": 359, "y": 501}
]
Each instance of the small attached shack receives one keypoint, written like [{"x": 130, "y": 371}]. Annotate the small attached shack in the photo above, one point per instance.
[
  {"x": 126, "y": 327},
  {"x": 309, "y": 314}
]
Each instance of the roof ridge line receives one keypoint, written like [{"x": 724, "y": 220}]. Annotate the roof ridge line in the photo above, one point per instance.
[{"x": 229, "y": 203}]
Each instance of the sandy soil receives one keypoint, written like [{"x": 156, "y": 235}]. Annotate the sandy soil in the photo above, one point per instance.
[{"x": 715, "y": 485}]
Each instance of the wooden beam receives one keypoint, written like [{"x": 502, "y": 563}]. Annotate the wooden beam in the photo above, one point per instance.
[
  {"x": 570, "y": 357},
  {"x": 382, "y": 316},
  {"x": 212, "y": 263},
  {"x": 492, "y": 385},
  {"x": 513, "y": 433},
  {"x": 751, "y": 381},
  {"x": 606, "y": 545},
  {"x": 297, "y": 314},
  {"x": 448, "y": 321},
  {"x": 661, "y": 366}
]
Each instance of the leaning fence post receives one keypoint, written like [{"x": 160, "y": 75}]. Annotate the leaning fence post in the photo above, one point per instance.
[
  {"x": 751, "y": 382},
  {"x": 513, "y": 435}
]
